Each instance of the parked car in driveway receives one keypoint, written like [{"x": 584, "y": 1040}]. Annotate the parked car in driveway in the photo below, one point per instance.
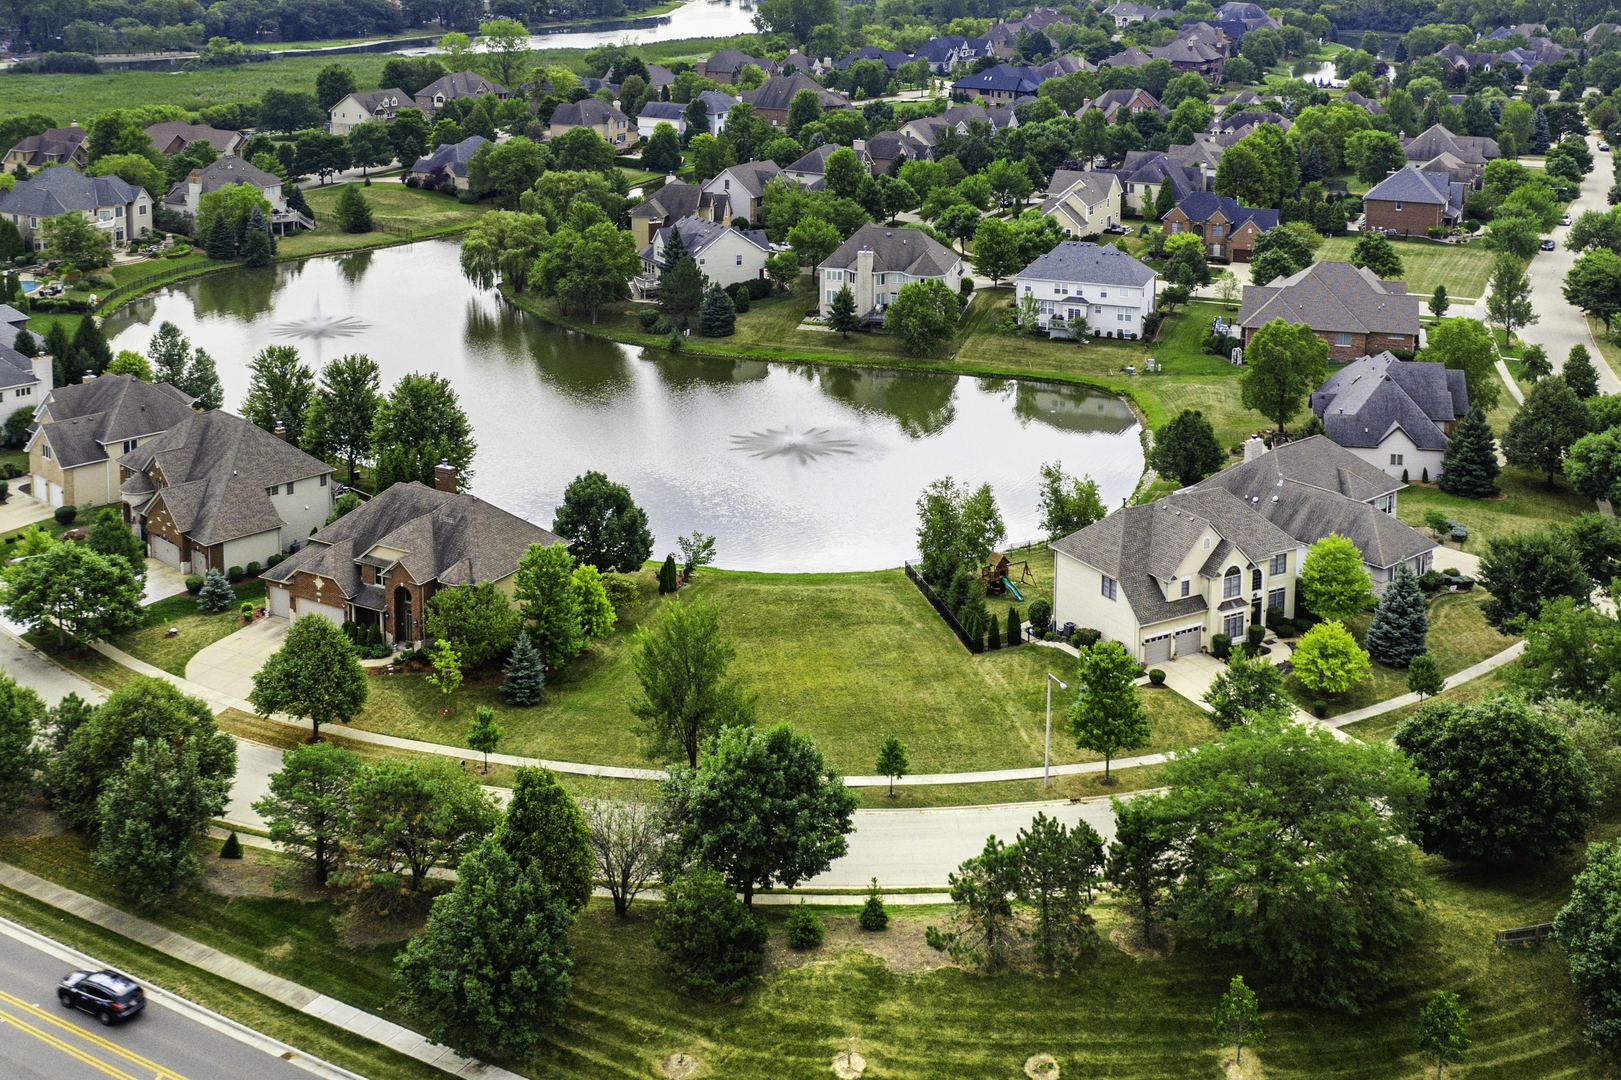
[
  {"x": 1603, "y": 146},
  {"x": 106, "y": 995},
  {"x": 1548, "y": 245},
  {"x": 1565, "y": 220}
]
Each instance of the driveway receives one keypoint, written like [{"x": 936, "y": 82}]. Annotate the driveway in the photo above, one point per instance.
[
  {"x": 162, "y": 582},
  {"x": 227, "y": 666},
  {"x": 19, "y": 511}
]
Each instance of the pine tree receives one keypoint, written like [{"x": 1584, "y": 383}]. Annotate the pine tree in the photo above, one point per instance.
[
  {"x": 60, "y": 350},
  {"x": 1399, "y": 625},
  {"x": 1013, "y": 621},
  {"x": 352, "y": 212},
  {"x": 1311, "y": 165},
  {"x": 718, "y": 316},
  {"x": 667, "y": 578},
  {"x": 219, "y": 243},
  {"x": 525, "y": 673},
  {"x": 90, "y": 352},
  {"x": 1470, "y": 466},
  {"x": 1165, "y": 201},
  {"x": 1540, "y": 139},
  {"x": 841, "y": 314},
  {"x": 25, "y": 343},
  {"x": 675, "y": 249},
  {"x": 1580, "y": 374},
  {"x": 259, "y": 246},
  {"x": 216, "y": 595},
  {"x": 203, "y": 382}
]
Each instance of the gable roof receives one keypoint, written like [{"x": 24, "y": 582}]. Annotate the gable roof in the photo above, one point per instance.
[
  {"x": 60, "y": 188},
  {"x": 1156, "y": 167},
  {"x": 673, "y": 200},
  {"x": 939, "y": 50},
  {"x": 663, "y": 110},
  {"x": 451, "y": 538},
  {"x": 1437, "y": 140},
  {"x": 85, "y": 417},
  {"x": 1203, "y": 205},
  {"x": 1003, "y": 78},
  {"x": 892, "y": 58},
  {"x": 1089, "y": 264},
  {"x": 1333, "y": 297},
  {"x": 386, "y": 98},
  {"x": 224, "y": 171},
  {"x": 816, "y": 160},
  {"x": 15, "y": 368},
  {"x": 777, "y": 93},
  {"x": 909, "y": 251},
  {"x": 588, "y": 112},
  {"x": 699, "y": 235},
  {"x": 1363, "y": 402},
  {"x": 168, "y": 132},
  {"x": 751, "y": 176},
  {"x": 460, "y": 84},
  {"x": 59, "y": 143},
  {"x": 735, "y": 60},
  {"x": 1411, "y": 184},
  {"x": 452, "y": 157}
]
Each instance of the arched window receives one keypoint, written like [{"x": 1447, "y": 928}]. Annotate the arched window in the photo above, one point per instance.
[
  {"x": 1255, "y": 579},
  {"x": 1232, "y": 583}
]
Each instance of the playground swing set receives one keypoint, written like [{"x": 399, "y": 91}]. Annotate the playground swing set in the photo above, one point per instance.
[{"x": 998, "y": 578}]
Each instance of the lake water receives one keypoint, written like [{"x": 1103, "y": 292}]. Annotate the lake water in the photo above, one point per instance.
[
  {"x": 790, "y": 466},
  {"x": 693, "y": 19}
]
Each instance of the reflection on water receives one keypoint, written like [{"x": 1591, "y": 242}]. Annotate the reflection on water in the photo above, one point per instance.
[{"x": 790, "y": 466}]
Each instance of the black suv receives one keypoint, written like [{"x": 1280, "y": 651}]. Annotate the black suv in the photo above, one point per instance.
[{"x": 106, "y": 995}]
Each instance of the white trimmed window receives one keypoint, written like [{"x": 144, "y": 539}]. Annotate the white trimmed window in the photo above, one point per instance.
[
  {"x": 1109, "y": 587},
  {"x": 1232, "y": 583},
  {"x": 1280, "y": 565}
]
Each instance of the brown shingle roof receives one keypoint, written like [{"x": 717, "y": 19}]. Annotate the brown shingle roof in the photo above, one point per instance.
[
  {"x": 87, "y": 416},
  {"x": 1333, "y": 297}
]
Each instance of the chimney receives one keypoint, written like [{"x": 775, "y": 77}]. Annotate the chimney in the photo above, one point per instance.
[
  {"x": 1253, "y": 448},
  {"x": 281, "y": 431},
  {"x": 44, "y": 371},
  {"x": 444, "y": 477}
]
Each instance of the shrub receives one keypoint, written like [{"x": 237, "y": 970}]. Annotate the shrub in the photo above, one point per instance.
[
  {"x": 1450, "y": 571},
  {"x": 710, "y": 940},
  {"x": 1460, "y": 531},
  {"x": 740, "y": 305},
  {"x": 1404, "y": 476},
  {"x": 1221, "y": 646},
  {"x": 1086, "y": 637},
  {"x": 247, "y": 609},
  {"x": 804, "y": 927},
  {"x": 1434, "y": 519},
  {"x": 232, "y": 848},
  {"x": 1041, "y": 614},
  {"x": 252, "y": 569},
  {"x": 234, "y": 574},
  {"x": 194, "y": 583},
  {"x": 274, "y": 560},
  {"x": 1430, "y": 581},
  {"x": 65, "y": 514},
  {"x": 648, "y": 317},
  {"x": 873, "y": 916},
  {"x": 1254, "y": 636},
  {"x": 1425, "y": 478},
  {"x": 1156, "y": 676},
  {"x": 1285, "y": 628},
  {"x": 1319, "y": 708},
  {"x": 932, "y": 937}
]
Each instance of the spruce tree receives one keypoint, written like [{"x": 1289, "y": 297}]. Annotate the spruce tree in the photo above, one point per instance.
[
  {"x": 681, "y": 290},
  {"x": 667, "y": 578},
  {"x": 352, "y": 212},
  {"x": 718, "y": 316},
  {"x": 525, "y": 673},
  {"x": 1580, "y": 374},
  {"x": 1399, "y": 625},
  {"x": 675, "y": 249},
  {"x": 60, "y": 350},
  {"x": 1311, "y": 165},
  {"x": 1540, "y": 139},
  {"x": 1165, "y": 201},
  {"x": 993, "y": 632},
  {"x": 841, "y": 314},
  {"x": 25, "y": 343},
  {"x": 1013, "y": 621},
  {"x": 216, "y": 595},
  {"x": 218, "y": 244},
  {"x": 90, "y": 352},
  {"x": 256, "y": 250},
  {"x": 1470, "y": 466}
]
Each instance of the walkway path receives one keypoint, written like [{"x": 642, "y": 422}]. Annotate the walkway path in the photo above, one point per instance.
[{"x": 1491, "y": 663}]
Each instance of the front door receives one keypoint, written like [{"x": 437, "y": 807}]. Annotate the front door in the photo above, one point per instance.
[{"x": 402, "y": 614}]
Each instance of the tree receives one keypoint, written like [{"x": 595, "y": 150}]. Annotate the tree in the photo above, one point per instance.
[
  {"x": 1509, "y": 303},
  {"x": 342, "y": 412},
  {"x": 506, "y": 54},
  {"x": 216, "y": 595},
  {"x": 1588, "y": 929},
  {"x": 892, "y": 761},
  {"x": 1139, "y": 868},
  {"x": 352, "y": 212},
  {"x": 501, "y": 247},
  {"x": 1242, "y": 174},
  {"x": 404, "y": 818},
  {"x": 315, "y": 674},
  {"x": 1424, "y": 676},
  {"x": 996, "y": 249},
  {"x": 1373, "y": 251},
  {"x": 316, "y": 153},
  {"x": 1058, "y": 868},
  {"x": 1186, "y": 449},
  {"x": 710, "y": 938},
  {"x": 1068, "y": 503},
  {"x": 813, "y": 240},
  {"x": 83, "y": 596},
  {"x": 844, "y": 173},
  {"x": 304, "y": 810},
  {"x": 841, "y": 312},
  {"x": 923, "y": 314},
  {"x": 419, "y": 425},
  {"x": 525, "y": 675},
  {"x": 804, "y": 108},
  {"x": 90, "y": 352},
  {"x": 544, "y": 828},
  {"x": 1439, "y": 302},
  {"x": 150, "y": 812},
  {"x": 1237, "y": 1018},
  {"x": 1550, "y": 421},
  {"x": 1333, "y": 582},
  {"x": 370, "y": 146},
  {"x": 477, "y": 619},
  {"x": 681, "y": 657},
  {"x": 22, "y": 718},
  {"x": 663, "y": 150},
  {"x": 600, "y": 263},
  {"x": 504, "y": 171},
  {"x": 447, "y": 667},
  {"x": 983, "y": 891},
  {"x": 1399, "y": 625},
  {"x": 1443, "y": 1030},
  {"x": 409, "y": 135},
  {"x": 549, "y": 603},
  {"x": 1328, "y": 659},
  {"x": 627, "y": 841},
  {"x": 1270, "y": 265},
  {"x": 1283, "y": 364},
  {"x": 1469, "y": 467},
  {"x": 109, "y": 535},
  {"x": 1523, "y": 570},
  {"x": 1108, "y": 715},
  {"x": 1579, "y": 373},
  {"x": 333, "y": 83},
  {"x": 718, "y": 316},
  {"x": 279, "y": 391},
  {"x": 1593, "y": 464},
  {"x": 1374, "y": 155},
  {"x": 1251, "y": 687},
  {"x": 1593, "y": 284},
  {"x": 603, "y": 525},
  {"x": 782, "y": 267},
  {"x": 71, "y": 238}
]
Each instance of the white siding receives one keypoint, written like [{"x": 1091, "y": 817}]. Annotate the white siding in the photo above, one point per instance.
[
  {"x": 1414, "y": 460},
  {"x": 306, "y": 508},
  {"x": 1078, "y": 598},
  {"x": 720, "y": 260},
  {"x": 256, "y": 548},
  {"x": 1109, "y": 310}
]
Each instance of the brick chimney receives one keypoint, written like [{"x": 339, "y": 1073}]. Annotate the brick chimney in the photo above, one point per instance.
[
  {"x": 281, "y": 431},
  {"x": 444, "y": 477}
]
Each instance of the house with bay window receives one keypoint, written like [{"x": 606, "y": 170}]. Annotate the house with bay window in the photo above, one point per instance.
[
  {"x": 120, "y": 209},
  {"x": 1079, "y": 282},
  {"x": 876, "y": 263}
]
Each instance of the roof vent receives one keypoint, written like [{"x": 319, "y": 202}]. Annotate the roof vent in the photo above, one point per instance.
[{"x": 1274, "y": 498}]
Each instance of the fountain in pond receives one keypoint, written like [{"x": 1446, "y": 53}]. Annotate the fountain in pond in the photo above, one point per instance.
[
  {"x": 804, "y": 446},
  {"x": 318, "y": 327}
]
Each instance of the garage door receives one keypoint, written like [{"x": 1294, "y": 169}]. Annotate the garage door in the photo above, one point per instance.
[
  {"x": 1157, "y": 650},
  {"x": 280, "y": 602},
  {"x": 1188, "y": 641},
  {"x": 56, "y": 495},
  {"x": 39, "y": 488},
  {"x": 309, "y": 607},
  {"x": 166, "y": 552}
]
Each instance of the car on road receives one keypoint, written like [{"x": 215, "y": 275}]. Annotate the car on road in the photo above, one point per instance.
[
  {"x": 1548, "y": 245},
  {"x": 1603, "y": 146},
  {"x": 106, "y": 995},
  {"x": 1565, "y": 220}
]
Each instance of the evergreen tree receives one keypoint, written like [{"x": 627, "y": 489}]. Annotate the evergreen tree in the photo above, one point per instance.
[
  {"x": 203, "y": 382},
  {"x": 1540, "y": 139},
  {"x": 718, "y": 316},
  {"x": 1165, "y": 201},
  {"x": 25, "y": 343},
  {"x": 258, "y": 247},
  {"x": 675, "y": 250},
  {"x": 1311, "y": 165},
  {"x": 841, "y": 314},
  {"x": 1580, "y": 374},
  {"x": 216, "y": 595},
  {"x": 1470, "y": 466},
  {"x": 60, "y": 350},
  {"x": 681, "y": 290},
  {"x": 90, "y": 352},
  {"x": 220, "y": 244},
  {"x": 525, "y": 673},
  {"x": 1399, "y": 625},
  {"x": 352, "y": 212},
  {"x": 667, "y": 578}
]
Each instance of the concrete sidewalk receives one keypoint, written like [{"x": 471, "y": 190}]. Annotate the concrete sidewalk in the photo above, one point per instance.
[{"x": 1473, "y": 672}]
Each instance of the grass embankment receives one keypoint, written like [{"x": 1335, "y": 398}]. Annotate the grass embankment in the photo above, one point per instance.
[
  {"x": 1462, "y": 268},
  {"x": 908, "y": 1015},
  {"x": 153, "y": 644},
  {"x": 1527, "y": 503},
  {"x": 398, "y": 213}
]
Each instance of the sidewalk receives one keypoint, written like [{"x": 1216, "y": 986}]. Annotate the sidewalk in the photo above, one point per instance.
[
  {"x": 1473, "y": 672},
  {"x": 287, "y": 993}
]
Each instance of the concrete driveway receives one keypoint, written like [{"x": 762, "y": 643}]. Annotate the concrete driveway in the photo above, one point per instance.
[
  {"x": 19, "y": 511},
  {"x": 162, "y": 582},
  {"x": 227, "y": 666},
  {"x": 1191, "y": 675}
]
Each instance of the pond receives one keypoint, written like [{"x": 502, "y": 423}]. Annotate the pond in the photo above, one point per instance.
[
  {"x": 693, "y": 19},
  {"x": 792, "y": 467}
]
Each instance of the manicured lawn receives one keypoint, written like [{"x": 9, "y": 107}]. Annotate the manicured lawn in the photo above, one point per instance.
[
  {"x": 99, "y": 669},
  {"x": 197, "y": 631},
  {"x": 397, "y": 211},
  {"x": 1528, "y": 503},
  {"x": 1383, "y": 726},
  {"x": 1462, "y": 268},
  {"x": 1459, "y": 637},
  {"x": 846, "y": 658}
]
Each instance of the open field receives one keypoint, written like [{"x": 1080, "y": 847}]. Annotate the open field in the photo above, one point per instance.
[
  {"x": 397, "y": 211},
  {"x": 1462, "y": 268},
  {"x": 1527, "y": 503}
]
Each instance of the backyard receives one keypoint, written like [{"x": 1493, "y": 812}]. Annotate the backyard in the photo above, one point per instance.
[
  {"x": 1527, "y": 503},
  {"x": 1462, "y": 268}
]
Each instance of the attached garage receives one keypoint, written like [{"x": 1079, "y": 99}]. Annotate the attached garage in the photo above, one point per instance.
[
  {"x": 1189, "y": 641},
  {"x": 310, "y": 607},
  {"x": 279, "y": 602},
  {"x": 166, "y": 552},
  {"x": 1157, "y": 650},
  {"x": 56, "y": 495}
]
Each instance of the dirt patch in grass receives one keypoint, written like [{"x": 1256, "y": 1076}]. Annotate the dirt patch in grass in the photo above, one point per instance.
[
  {"x": 901, "y": 947},
  {"x": 1127, "y": 936},
  {"x": 358, "y": 929},
  {"x": 33, "y": 818},
  {"x": 246, "y": 876}
]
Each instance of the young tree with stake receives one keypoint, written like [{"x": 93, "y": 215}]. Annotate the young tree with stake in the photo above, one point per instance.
[{"x": 892, "y": 761}]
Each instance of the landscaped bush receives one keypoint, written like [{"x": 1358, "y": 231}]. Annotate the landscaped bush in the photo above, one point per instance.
[
  {"x": 194, "y": 583},
  {"x": 247, "y": 609},
  {"x": 710, "y": 940},
  {"x": 1284, "y": 628},
  {"x": 648, "y": 317},
  {"x": 873, "y": 916},
  {"x": 1221, "y": 646},
  {"x": 1460, "y": 531},
  {"x": 252, "y": 569},
  {"x": 1156, "y": 676},
  {"x": 1319, "y": 708},
  {"x": 1253, "y": 638},
  {"x": 235, "y": 574},
  {"x": 65, "y": 514},
  {"x": 1450, "y": 571},
  {"x": 1087, "y": 636},
  {"x": 1430, "y": 581},
  {"x": 1041, "y": 614},
  {"x": 804, "y": 927},
  {"x": 274, "y": 560}
]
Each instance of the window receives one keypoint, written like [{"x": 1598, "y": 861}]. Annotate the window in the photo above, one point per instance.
[
  {"x": 118, "y": 212},
  {"x": 129, "y": 444},
  {"x": 1398, "y": 204},
  {"x": 1215, "y": 231},
  {"x": 1343, "y": 340},
  {"x": 1121, "y": 315},
  {"x": 1185, "y": 584},
  {"x": 273, "y": 489},
  {"x": 143, "y": 210},
  {"x": 1233, "y": 626},
  {"x": 740, "y": 260},
  {"x": 44, "y": 451},
  {"x": 1103, "y": 293},
  {"x": 1207, "y": 543},
  {"x": 1109, "y": 587},
  {"x": 835, "y": 275},
  {"x": 1176, "y": 227},
  {"x": 831, "y": 293},
  {"x": 1395, "y": 459},
  {"x": 323, "y": 479},
  {"x": 1097, "y": 310},
  {"x": 1232, "y": 583},
  {"x": 289, "y": 487},
  {"x": 1280, "y": 565},
  {"x": 1274, "y": 600},
  {"x": 24, "y": 391}
]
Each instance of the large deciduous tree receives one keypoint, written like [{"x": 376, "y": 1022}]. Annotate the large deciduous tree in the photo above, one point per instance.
[
  {"x": 922, "y": 315},
  {"x": 1588, "y": 929},
  {"x": 419, "y": 425},
  {"x": 1108, "y": 715},
  {"x": 1068, "y": 503},
  {"x": 1549, "y": 423},
  {"x": 1334, "y": 584},
  {"x": 681, "y": 657},
  {"x": 77, "y": 594},
  {"x": 478, "y": 620},
  {"x": 22, "y": 719},
  {"x": 1186, "y": 449},
  {"x": 315, "y": 675},
  {"x": 305, "y": 807},
  {"x": 404, "y": 818},
  {"x": 279, "y": 391},
  {"x": 1523, "y": 570},
  {"x": 1283, "y": 364},
  {"x": 342, "y": 414},
  {"x": 1509, "y": 302},
  {"x": 603, "y": 524}
]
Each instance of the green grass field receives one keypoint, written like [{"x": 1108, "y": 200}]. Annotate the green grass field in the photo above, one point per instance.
[
  {"x": 1462, "y": 268},
  {"x": 397, "y": 211},
  {"x": 197, "y": 631},
  {"x": 1527, "y": 502}
]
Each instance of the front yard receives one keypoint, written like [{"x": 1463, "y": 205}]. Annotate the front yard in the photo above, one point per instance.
[
  {"x": 153, "y": 644},
  {"x": 1462, "y": 268}
]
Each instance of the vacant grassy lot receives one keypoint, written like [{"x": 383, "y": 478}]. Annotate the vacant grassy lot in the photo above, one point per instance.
[
  {"x": 197, "y": 631},
  {"x": 397, "y": 212},
  {"x": 1527, "y": 503},
  {"x": 1462, "y": 268}
]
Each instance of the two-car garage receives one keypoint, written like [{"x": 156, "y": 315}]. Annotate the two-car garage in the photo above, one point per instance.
[
  {"x": 280, "y": 602},
  {"x": 1184, "y": 642}
]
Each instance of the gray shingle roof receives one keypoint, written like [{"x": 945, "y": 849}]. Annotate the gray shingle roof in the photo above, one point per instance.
[
  {"x": 1365, "y": 400},
  {"x": 1089, "y": 264},
  {"x": 1202, "y": 205},
  {"x": 221, "y": 140},
  {"x": 109, "y": 409},
  {"x": 587, "y": 113},
  {"x": 699, "y": 235},
  {"x": 459, "y": 84},
  {"x": 59, "y": 143},
  {"x": 1437, "y": 140},
  {"x": 777, "y": 93},
  {"x": 662, "y": 110},
  {"x": 222, "y": 172},
  {"x": 675, "y": 200},
  {"x": 61, "y": 188},
  {"x": 15, "y": 368},
  {"x": 1333, "y": 297},
  {"x": 751, "y": 176},
  {"x": 906, "y": 250},
  {"x": 816, "y": 160},
  {"x": 452, "y": 157},
  {"x": 1409, "y": 184}
]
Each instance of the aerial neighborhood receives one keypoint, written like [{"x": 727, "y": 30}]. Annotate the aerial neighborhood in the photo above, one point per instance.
[{"x": 776, "y": 538}]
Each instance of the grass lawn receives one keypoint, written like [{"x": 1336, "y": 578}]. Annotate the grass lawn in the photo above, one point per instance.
[
  {"x": 1383, "y": 726},
  {"x": 197, "y": 631},
  {"x": 846, "y": 658},
  {"x": 397, "y": 211},
  {"x": 1459, "y": 637},
  {"x": 1462, "y": 268},
  {"x": 1527, "y": 503}
]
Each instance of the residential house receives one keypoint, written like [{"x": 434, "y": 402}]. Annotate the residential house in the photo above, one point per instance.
[
  {"x": 1240, "y": 124},
  {"x": 173, "y": 136},
  {"x": 891, "y": 58},
  {"x": 1002, "y": 83},
  {"x": 81, "y": 430},
  {"x": 1184, "y": 54},
  {"x": 1124, "y": 13},
  {"x": 380, "y": 564},
  {"x": 216, "y": 491},
  {"x": 1144, "y": 172},
  {"x": 669, "y": 204},
  {"x": 1369, "y": 105},
  {"x": 1349, "y": 307},
  {"x": 1599, "y": 31},
  {"x": 717, "y": 105},
  {"x": 798, "y": 61},
  {"x": 1165, "y": 577},
  {"x": 1229, "y": 230},
  {"x": 1242, "y": 97},
  {"x": 364, "y": 106},
  {"x": 876, "y": 262},
  {"x": 1202, "y": 155},
  {"x": 596, "y": 114},
  {"x": 772, "y": 98},
  {"x": 1076, "y": 282},
  {"x": 1211, "y": 34},
  {"x": 1083, "y": 203},
  {"x": 1397, "y": 415},
  {"x": 1471, "y": 150},
  {"x": 724, "y": 254},
  {"x": 53, "y": 146},
  {"x": 737, "y": 191},
  {"x": 459, "y": 84},
  {"x": 809, "y": 172},
  {"x": 655, "y": 113},
  {"x": 942, "y": 54},
  {"x": 11, "y": 322},
  {"x": 658, "y": 76},
  {"x": 122, "y": 209},
  {"x": 446, "y": 163},
  {"x": 887, "y": 151},
  {"x": 186, "y": 197},
  {"x": 1252, "y": 16},
  {"x": 1525, "y": 30},
  {"x": 1134, "y": 100},
  {"x": 1065, "y": 64},
  {"x": 1413, "y": 200},
  {"x": 24, "y": 381},
  {"x": 725, "y": 66}
]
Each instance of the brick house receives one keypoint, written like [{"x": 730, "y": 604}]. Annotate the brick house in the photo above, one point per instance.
[
  {"x": 379, "y": 565},
  {"x": 1412, "y": 200},
  {"x": 1228, "y": 229},
  {"x": 1462, "y": 152},
  {"x": 1349, "y": 307}
]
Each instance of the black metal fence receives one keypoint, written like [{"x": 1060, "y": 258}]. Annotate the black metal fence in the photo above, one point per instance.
[{"x": 969, "y": 642}]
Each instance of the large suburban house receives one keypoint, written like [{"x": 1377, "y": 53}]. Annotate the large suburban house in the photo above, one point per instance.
[
  {"x": 1163, "y": 578},
  {"x": 381, "y": 563},
  {"x": 1349, "y": 307},
  {"x": 941, "y": 54},
  {"x": 876, "y": 262},
  {"x": 1003, "y": 83},
  {"x": 677, "y": 199},
  {"x": 772, "y": 98},
  {"x": 602, "y": 118},
  {"x": 447, "y": 162},
  {"x": 1124, "y": 14},
  {"x": 24, "y": 381},
  {"x": 1397, "y": 415},
  {"x": 725, "y": 255},
  {"x": 1228, "y": 229},
  {"x": 717, "y": 104},
  {"x": 173, "y": 136},
  {"x": 726, "y": 65},
  {"x": 362, "y": 106},
  {"x": 1452, "y": 152},
  {"x": 738, "y": 191},
  {"x": 53, "y": 146},
  {"x": 110, "y": 203},
  {"x": 655, "y": 113},
  {"x": 1103, "y": 286},
  {"x": 1413, "y": 200},
  {"x": 1083, "y": 203},
  {"x": 187, "y": 196},
  {"x": 1144, "y": 172},
  {"x": 458, "y": 84},
  {"x": 216, "y": 491},
  {"x": 83, "y": 429}
]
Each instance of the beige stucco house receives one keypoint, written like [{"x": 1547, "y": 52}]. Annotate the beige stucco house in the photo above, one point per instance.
[{"x": 83, "y": 429}]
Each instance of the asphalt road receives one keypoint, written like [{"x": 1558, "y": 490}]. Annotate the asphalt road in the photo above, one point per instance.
[{"x": 40, "y": 1040}]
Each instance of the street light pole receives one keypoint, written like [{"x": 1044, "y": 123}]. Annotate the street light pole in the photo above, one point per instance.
[{"x": 1047, "y": 748}]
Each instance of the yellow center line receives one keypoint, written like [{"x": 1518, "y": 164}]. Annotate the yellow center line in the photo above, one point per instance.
[
  {"x": 161, "y": 1072},
  {"x": 67, "y": 1048}
]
